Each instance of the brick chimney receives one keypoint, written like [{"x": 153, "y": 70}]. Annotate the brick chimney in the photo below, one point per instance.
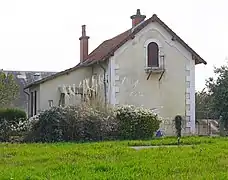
[
  {"x": 137, "y": 18},
  {"x": 84, "y": 44}
]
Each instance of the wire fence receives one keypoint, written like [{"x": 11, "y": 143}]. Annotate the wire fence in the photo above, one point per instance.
[{"x": 207, "y": 123}]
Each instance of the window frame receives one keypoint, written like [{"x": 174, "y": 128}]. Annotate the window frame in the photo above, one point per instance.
[
  {"x": 35, "y": 102},
  {"x": 50, "y": 103},
  {"x": 31, "y": 104},
  {"x": 159, "y": 53}
]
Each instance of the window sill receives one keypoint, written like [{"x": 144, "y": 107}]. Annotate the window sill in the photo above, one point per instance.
[{"x": 154, "y": 69}]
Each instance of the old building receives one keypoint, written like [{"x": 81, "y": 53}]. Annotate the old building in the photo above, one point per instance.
[{"x": 148, "y": 65}]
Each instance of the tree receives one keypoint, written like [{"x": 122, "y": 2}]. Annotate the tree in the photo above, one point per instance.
[
  {"x": 9, "y": 89},
  {"x": 204, "y": 105},
  {"x": 218, "y": 90}
]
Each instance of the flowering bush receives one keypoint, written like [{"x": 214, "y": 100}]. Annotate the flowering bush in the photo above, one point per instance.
[
  {"x": 91, "y": 124},
  {"x": 9, "y": 122},
  {"x": 136, "y": 122},
  {"x": 86, "y": 123},
  {"x": 12, "y": 115},
  {"x": 25, "y": 125},
  {"x": 5, "y": 130},
  {"x": 73, "y": 123},
  {"x": 18, "y": 128},
  {"x": 47, "y": 128}
]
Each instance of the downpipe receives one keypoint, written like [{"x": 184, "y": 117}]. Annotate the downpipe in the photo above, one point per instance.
[{"x": 28, "y": 100}]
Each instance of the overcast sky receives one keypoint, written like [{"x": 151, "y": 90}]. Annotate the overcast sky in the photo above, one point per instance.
[{"x": 43, "y": 35}]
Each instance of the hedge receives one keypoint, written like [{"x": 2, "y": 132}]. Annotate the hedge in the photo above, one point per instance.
[
  {"x": 12, "y": 115},
  {"x": 10, "y": 120},
  {"x": 84, "y": 123},
  {"x": 136, "y": 122},
  {"x": 75, "y": 123}
]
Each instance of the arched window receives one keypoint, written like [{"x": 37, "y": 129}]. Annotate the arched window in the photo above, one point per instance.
[{"x": 152, "y": 55}]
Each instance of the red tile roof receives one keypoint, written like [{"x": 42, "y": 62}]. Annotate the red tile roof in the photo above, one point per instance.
[{"x": 106, "y": 49}]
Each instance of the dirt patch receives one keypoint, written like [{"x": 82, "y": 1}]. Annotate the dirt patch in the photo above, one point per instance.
[{"x": 162, "y": 146}]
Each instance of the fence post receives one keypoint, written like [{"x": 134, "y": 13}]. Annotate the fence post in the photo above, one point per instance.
[
  {"x": 221, "y": 126},
  {"x": 210, "y": 131}
]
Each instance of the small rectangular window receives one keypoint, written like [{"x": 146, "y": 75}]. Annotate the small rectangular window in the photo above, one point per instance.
[{"x": 50, "y": 103}]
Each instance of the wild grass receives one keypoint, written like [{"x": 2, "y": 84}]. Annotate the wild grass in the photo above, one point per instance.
[{"x": 207, "y": 158}]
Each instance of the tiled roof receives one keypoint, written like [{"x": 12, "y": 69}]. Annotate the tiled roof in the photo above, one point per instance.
[
  {"x": 96, "y": 55},
  {"x": 108, "y": 47}
]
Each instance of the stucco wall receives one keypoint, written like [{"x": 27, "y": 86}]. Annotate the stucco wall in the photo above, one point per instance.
[
  {"x": 98, "y": 71},
  {"x": 49, "y": 90},
  {"x": 127, "y": 81},
  {"x": 130, "y": 80}
]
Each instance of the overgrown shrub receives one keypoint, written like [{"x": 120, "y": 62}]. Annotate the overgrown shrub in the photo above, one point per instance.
[
  {"x": 21, "y": 129},
  {"x": 12, "y": 115},
  {"x": 10, "y": 121},
  {"x": 73, "y": 123},
  {"x": 136, "y": 122},
  {"x": 5, "y": 131},
  {"x": 48, "y": 127},
  {"x": 86, "y": 123},
  {"x": 90, "y": 124}
]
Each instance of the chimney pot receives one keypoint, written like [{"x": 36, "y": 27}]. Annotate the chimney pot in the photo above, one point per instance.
[
  {"x": 84, "y": 44},
  {"x": 83, "y": 30},
  {"x": 137, "y": 18},
  {"x": 138, "y": 12}
]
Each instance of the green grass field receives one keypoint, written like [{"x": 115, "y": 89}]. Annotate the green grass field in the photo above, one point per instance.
[{"x": 207, "y": 158}]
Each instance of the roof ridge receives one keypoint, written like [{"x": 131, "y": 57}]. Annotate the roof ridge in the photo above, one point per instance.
[
  {"x": 120, "y": 34},
  {"x": 105, "y": 41},
  {"x": 107, "y": 48}
]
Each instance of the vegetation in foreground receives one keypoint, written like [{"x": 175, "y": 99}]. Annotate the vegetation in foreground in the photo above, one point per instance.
[
  {"x": 81, "y": 123},
  {"x": 207, "y": 158}
]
